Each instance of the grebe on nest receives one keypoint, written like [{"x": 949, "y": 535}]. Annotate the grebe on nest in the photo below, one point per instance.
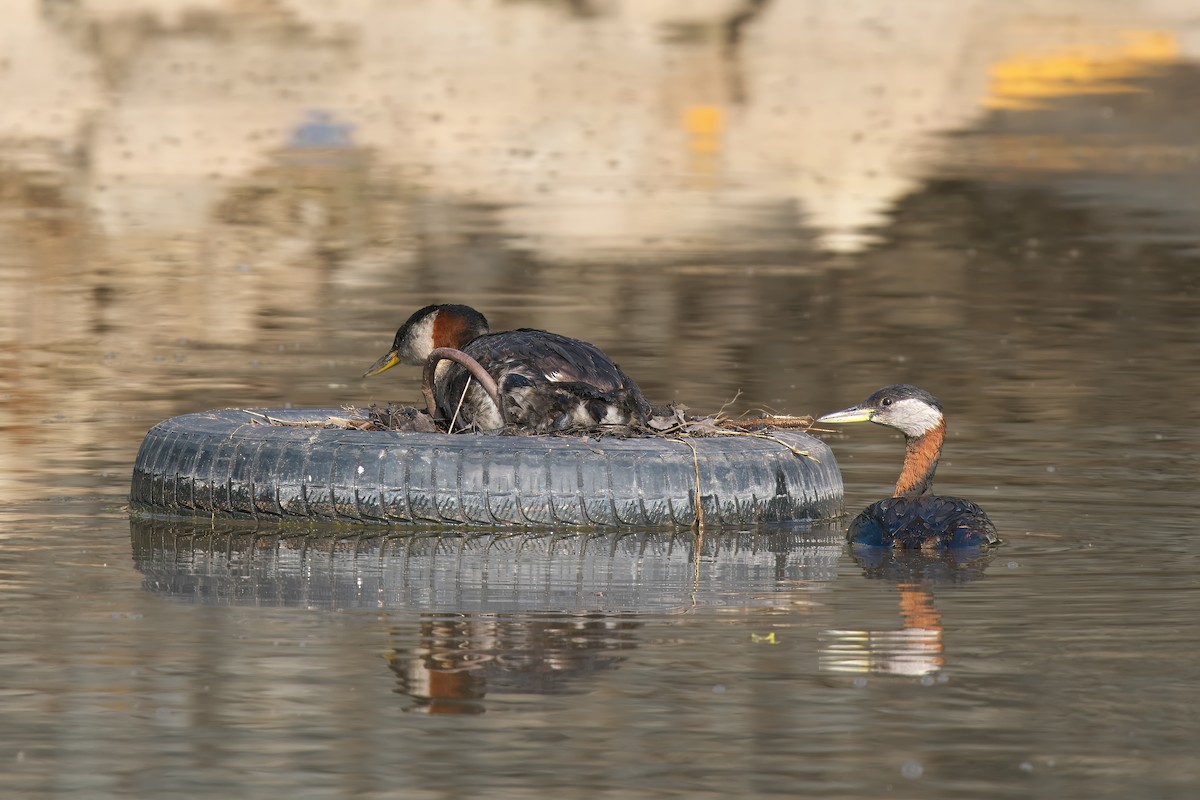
[
  {"x": 911, "y": 518},
  {"x": 531, "y": 379}
]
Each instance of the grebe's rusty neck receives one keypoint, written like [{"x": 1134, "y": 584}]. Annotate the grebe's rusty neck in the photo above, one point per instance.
[{"x": 921, "y": 454}]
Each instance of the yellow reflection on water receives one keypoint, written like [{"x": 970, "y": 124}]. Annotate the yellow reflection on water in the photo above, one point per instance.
[{"x": 1026, "y": 80}]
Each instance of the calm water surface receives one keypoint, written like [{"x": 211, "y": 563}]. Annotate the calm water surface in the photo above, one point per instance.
[{"x": 238, "y": 208}]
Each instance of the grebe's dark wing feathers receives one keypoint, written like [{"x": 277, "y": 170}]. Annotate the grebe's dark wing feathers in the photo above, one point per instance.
[
  {"x": 557, "y": 358},
  {"x": 927, "y": 521},
  {"x": 548, "y": 382}
]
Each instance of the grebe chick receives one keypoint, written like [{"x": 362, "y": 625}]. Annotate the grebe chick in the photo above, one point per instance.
[
  {"x": 542, "y": 381},
  {"x": 911, "y": 518}
]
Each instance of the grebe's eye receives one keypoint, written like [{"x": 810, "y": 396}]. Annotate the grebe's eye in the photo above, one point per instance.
[{"x": 887, "y": 401}]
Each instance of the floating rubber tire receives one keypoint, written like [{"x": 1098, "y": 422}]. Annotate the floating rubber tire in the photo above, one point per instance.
[{"x": 229, "y": 463}]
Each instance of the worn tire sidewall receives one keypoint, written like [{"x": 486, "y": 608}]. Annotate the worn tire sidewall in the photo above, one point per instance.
[{"x": 232, "y": 463}]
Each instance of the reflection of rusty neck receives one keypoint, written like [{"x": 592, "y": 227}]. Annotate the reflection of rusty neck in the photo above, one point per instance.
[
  {"x": 921, "y": 455},
  {"x": 920, "y": 616},
  {"x": 437, "y": 355},
  {"x": 916, "y": 606}
]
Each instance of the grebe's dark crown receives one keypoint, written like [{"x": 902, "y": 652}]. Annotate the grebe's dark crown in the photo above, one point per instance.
[
  {"x": 897, "y": 392},
  {"x": 912, "y": 411},
  {"x": 908, "y": 409},
  {"x": 469, "y": 318},
  {"x": 443, "y": 325}
]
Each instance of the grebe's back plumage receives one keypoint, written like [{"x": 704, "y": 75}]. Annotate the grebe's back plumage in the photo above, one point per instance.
[
  {"x": 545, "y": 381},
  {"x": 911, "y": 518}
]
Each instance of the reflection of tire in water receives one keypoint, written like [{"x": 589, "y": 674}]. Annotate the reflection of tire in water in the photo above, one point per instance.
[
  {"x": 221, "y": 463},
  {"x": 481, "y": 573},
  {"x": 521, "y": 613}
]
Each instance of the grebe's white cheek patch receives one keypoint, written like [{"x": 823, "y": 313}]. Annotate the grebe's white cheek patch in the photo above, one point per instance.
[
  {"x": 912, "y": 417},
  {"x": 420, "y": 340}
]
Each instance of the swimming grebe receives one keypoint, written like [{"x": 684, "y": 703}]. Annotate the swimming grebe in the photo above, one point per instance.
[
  {"x": 911, "y": 518},
  {"x": 532, "y": 379}
]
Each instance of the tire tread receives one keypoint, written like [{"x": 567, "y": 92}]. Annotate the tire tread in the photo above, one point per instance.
[{"x": 220, "y": 463}]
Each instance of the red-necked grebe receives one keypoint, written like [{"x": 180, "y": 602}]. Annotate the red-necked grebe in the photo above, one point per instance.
[
  {"x": 911, "y": 518},
  {"x": 530, "y": 379}
]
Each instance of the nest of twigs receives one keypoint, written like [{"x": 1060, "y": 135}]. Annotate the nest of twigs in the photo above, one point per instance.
[
  {"x": 669, "y": 421},
  {"x": 666, "y": 421}
]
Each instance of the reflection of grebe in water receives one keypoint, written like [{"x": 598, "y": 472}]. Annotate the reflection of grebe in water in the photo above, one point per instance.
[
  {"x": 460, "y": 660},
  {"x": 532, "y": 379},
  {"x": 911, "y": 518},
  {"x": 918, "y": 648}
]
